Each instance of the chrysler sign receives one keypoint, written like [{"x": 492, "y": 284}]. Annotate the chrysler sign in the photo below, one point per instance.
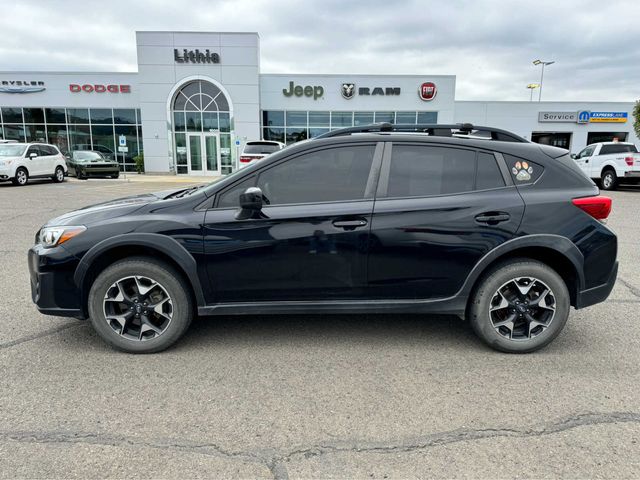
[{"x": 21, "y": 86}]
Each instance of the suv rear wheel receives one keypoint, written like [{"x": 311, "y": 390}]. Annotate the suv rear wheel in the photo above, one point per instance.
[
  {"x": 519, "y": 306},
  {"x": 58, "y": 176},
  {"x": 139, "y": 305}
]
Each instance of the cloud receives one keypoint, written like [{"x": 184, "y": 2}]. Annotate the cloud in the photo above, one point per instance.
[{"x": 489, "y": 44}]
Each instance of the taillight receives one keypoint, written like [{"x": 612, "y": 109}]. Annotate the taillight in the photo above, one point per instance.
[
  {"x": 598, "y": 207},
  {"x": 629, "y": 161},
  {"x": 245, "y": 159}
]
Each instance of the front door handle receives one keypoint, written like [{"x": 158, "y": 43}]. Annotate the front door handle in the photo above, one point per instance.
[
  {"x": 492, "y": 218},
  {"x": 350, "y": 224}
]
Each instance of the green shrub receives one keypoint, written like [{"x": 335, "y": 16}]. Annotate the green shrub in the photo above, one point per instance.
[{"x": 139, "y": 159}]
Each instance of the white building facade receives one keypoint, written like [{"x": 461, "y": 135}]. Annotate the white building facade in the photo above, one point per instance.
[{"x": 198, "y": 97}]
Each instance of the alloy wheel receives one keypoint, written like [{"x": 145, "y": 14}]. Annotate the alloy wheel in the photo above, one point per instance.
[
  {"x": 522, "y": 308},
  {"x": 607, "y": 180},
  {"x": 59, "y": 174},
  {"x": 138, "y": 308},
  {"x": 21, "y": 176}
]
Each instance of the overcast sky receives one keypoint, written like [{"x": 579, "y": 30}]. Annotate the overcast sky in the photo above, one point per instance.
[{"x": 489, "y": 45}]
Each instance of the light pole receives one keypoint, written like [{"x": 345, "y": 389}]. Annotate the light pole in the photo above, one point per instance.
[
  {"x": 543, "y": 63},
  {"x": 532, "y": 87}
]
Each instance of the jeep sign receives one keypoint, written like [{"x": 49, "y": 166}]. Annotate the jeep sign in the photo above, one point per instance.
[{"x": 308, "y": 91}]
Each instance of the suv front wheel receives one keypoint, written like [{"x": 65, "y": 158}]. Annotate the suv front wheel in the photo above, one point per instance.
[
  {"x": 519, "y": 306},
  {"x": 139, "y": 305}
]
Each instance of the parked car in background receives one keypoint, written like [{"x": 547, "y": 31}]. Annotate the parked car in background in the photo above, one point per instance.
[
  {"x": 610, "y": 163},
  {"x": 257, "y": 150},
  {"x": 21, "y": 161},
  {"x": 88, "y": 163},
  {"x": 106, "y": 151},
  {"x": 374, "y": 219},
  {"x": 8, "y": 141}
]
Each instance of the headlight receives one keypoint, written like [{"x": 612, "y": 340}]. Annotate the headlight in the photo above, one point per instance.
[
  {"x": 6, "y": 163},
  {"x": 52, "y": 236}
]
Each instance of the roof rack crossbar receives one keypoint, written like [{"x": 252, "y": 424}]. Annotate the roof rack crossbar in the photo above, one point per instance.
[{"x": 432, "y": 129}]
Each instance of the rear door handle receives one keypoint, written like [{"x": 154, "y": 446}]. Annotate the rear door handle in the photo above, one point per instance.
[
  {"x": 351, "y": 224},
  {"x": 492, "y": 218}
]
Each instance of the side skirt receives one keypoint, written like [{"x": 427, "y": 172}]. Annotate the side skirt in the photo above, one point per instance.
[{"x": 452, "y": 306}]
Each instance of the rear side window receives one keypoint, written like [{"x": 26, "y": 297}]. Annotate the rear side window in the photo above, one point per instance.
[
  {"x": 418, "y": 170},
  {"x": 488, "y": 175},
  {"x": 523, "y": 171},
  {"x": 619, "y": 148}
]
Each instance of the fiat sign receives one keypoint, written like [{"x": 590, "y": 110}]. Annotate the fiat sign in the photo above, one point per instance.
[{"x": 427, "y": 91}]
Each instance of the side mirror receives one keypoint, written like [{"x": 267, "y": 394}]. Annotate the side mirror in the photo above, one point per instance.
[
  {"x": 33, "y": 155},
  {"x": 251, "y": 202},
  {"x": 574, "y": 156},
  {"x": 251, "y": 199}
]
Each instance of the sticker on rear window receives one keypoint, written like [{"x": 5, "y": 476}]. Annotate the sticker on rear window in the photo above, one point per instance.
[{"x": 522, "y": 171}]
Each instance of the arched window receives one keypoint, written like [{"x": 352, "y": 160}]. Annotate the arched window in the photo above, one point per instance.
[
  {"x": 200, "y": 107},
  {"x": 200, "y": 96}
]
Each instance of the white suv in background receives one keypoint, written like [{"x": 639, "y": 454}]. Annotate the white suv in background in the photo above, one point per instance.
[
  {"x": 21, "y": 161},
  {"x": 610, "y": 163},
  {"x": 256, "y": 150}
]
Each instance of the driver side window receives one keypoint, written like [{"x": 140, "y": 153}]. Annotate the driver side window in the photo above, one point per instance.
[
  {"x": 32, "y": 149},
  {"x": 587, "y": 152},
  {"x": 328, "y": 175}
]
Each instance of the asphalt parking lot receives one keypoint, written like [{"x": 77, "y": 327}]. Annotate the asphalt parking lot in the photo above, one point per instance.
[{"x": 312, "y": 396}]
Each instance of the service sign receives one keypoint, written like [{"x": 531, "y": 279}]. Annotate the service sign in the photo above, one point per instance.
[
  {"x": 571, "y": 117},
  {"x": 608, "y": 117}
]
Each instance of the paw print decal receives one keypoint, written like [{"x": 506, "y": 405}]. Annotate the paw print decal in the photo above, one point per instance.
[{"x": 522, "y": 171}]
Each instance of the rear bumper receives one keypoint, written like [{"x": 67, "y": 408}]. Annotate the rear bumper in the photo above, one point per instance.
[
  {"x": 52, "y": 286},
  {"x": 632, "y": 174},
  {"x": 586, "y": 298}
]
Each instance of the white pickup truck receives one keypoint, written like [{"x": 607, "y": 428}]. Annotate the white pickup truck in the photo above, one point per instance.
[{"x": 610, "y": 163}]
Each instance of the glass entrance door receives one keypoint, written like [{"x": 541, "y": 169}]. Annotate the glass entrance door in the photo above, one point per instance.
[{"x": 203, "y": 150}]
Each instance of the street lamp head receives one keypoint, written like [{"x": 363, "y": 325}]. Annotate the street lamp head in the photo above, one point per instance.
[
  {"x": 537, "y": 62},
  {"x": 549, "y": 63},
  {"x": 533, "y": 85}
]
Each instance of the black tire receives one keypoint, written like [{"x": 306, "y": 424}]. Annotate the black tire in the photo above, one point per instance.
[
  {"x": 21, "y": 178},
  {"x": 518, "y": 336},
  {"x": 609, "y": 179},
  {"x": 123, "y": 338},
  {"x": 58, "y": 175},
  {"x": 116, "y": 175}
]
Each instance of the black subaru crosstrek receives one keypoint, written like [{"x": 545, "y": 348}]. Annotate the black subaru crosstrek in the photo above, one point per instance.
[{"x": 452, "y": 219}]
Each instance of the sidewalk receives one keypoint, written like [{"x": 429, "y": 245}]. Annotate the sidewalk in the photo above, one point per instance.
[{"x": 151, "y": 178}]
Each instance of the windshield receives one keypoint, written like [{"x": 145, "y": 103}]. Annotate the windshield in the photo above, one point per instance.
[
  {"x": 10, "y": 150},
  {"x": 87, "y": 156},
  {"x": 264, "y": 148}
]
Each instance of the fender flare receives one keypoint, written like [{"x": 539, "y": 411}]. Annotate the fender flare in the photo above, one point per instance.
[
  {"x": 163, "y": 243},
  {"x": 557, "y": 243}
]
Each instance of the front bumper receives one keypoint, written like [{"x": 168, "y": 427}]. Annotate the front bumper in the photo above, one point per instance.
[
  {"x": 99, "y": 171},
  {"x": 586, "y": 298},
  {"x": 53, "y": 289}
]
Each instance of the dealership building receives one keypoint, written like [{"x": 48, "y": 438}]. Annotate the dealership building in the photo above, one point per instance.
[{"x": 198, "y": 97}]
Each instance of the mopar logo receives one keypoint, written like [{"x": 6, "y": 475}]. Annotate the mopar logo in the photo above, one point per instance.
[{"x": 584, "y": 116}]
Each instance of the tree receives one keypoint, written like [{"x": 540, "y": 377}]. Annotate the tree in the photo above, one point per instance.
[{"x": 636, "y": 118}]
